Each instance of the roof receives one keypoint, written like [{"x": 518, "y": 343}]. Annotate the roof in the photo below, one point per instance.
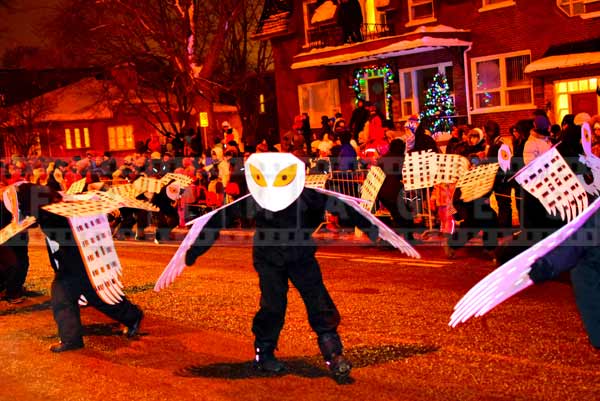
[
  {"x": 563, "y": 61},
  {"x": 78, "y": 101},
  {"x": 399, "y": 48}
]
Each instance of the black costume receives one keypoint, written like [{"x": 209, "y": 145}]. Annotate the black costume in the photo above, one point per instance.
[
  {"x": 168, "y": 217},
  {"x": 581, "y": 255},
  {"x": 71, "y": 280},
  {"x": 14, "y": 256},
  {"x": 284, "y": 250}
]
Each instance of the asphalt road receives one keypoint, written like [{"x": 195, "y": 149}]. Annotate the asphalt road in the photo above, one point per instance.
[{"x": 196, "y": 341}]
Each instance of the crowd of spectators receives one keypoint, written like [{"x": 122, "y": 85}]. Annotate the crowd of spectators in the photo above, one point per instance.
[{"x": 367, "y": 139}]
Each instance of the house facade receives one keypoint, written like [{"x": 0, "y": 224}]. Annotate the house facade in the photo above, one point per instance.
[
  {"x": 502, "y": 58},
  {"x": 80, "y": 118}
]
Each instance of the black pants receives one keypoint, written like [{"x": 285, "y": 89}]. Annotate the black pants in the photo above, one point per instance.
[
  {"x": 476, "y": 216},
  {"x": 66, "y": 290},
  {"x": 165, "y": 223},
  {"x": 586, "y": 285},
  {"x": 17, "y": 265},
  {"x": 305, "y": 274}
]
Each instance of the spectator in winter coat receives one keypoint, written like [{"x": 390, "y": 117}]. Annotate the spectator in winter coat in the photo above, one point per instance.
[
  {"x": 358, "y": 119},
  {"x": 539, "y": 139}
]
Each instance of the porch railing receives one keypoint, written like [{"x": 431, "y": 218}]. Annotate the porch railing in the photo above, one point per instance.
[{"x": 332, "y": 35}]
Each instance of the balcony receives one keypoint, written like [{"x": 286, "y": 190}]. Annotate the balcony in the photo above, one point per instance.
[{"x": 326, "y": 35}]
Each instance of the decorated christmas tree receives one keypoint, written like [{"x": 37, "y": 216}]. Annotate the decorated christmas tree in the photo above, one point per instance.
[{"x": 439, "y": 105}]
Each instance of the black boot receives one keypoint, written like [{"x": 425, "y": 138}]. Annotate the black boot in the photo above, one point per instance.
[
  {"x": 331, "y": 349},
  {"x": 265, "y": 359}
]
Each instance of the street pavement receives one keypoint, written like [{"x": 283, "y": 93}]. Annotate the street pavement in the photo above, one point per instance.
[{"x": 196, "y": 341}]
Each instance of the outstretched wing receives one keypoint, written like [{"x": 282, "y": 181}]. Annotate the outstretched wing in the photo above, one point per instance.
[
  {"x": 513, "y": 276},
  {"x": 550, "y": 179},
  {"x": 177, "y": 262},
  {"x": 94, "y": 240},
  {"x": 14, "y": 228},
  {"x": 385, "y": 232}
]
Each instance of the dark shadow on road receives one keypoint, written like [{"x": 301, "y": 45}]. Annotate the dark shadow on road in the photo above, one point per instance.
[
  {"x": 26, "y": 309},
  {"x": 102, "y": 329},
  {"x": 310, "y": 367}
]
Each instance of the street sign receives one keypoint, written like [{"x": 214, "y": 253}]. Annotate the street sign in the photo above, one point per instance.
[{"x": 203, "y": 119}]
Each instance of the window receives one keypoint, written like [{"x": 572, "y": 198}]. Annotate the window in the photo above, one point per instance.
[
  {"x": 120, "y": 137},
  {"x": 495, "y": 4},
  {"x": 77, "y": 138},
  {"x": 319, "y": 99},
  {"x": 577, "y": 95},
  {"x": 499, "y": 81},
  {"x": 321, "y": 27},
  {"x": 420, "y": 11},
  {"x": 582, "y": 8},
  {"x": 261, "y": 103},
  {"x": 414, "y": 83}
]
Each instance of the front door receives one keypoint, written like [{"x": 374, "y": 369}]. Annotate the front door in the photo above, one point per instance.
[
  {"x": 377, "y": 94},
  {"x": 584, "y": 103}
]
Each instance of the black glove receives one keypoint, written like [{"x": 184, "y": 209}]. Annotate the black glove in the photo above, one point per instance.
[{"x": 541, "y": 270}]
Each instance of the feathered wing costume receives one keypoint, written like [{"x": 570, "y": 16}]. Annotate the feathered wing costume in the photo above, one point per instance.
[
  {"x": 286, "y": 215},
  {"x": 574, "y": 247},
  {"x": 82, "y": 253},
  {"x": 281, "y": 190}
]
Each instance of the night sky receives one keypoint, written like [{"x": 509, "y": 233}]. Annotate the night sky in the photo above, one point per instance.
[{"x": 19, "y": 25}]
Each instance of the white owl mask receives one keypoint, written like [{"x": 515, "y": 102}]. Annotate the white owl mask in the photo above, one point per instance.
[{"x": 275, "y": 180}]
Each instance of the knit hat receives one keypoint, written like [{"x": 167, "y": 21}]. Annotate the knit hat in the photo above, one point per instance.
[
  {"x": 541, "y": 125},
  {"x": 412, "y": 123}
]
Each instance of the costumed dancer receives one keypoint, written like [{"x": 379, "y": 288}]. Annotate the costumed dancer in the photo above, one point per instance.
[
  {"x": 574, "y": 247},
  {"x": 286, "y": 215},
  {"x": 168, "y": 215},
  {"x": 14, "y": 256},
  {"x": 72, "y": 258}
]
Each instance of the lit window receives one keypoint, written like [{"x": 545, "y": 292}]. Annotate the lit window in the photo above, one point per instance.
[
  {"x": 261, "y": 103},
  {"x": 73, "y": 138},
  {"x": 420, "y": 11},
  {"x": 319, "y": 99},
  {"x": 414, "y": 83},
  {"x": 321, "y": 27},
  {"x": 499, "y": 81},
  {"x": 86, "y": 137},
  {"x": 77, "y": 136},
  {"x": 120, "y": 137},
  {"x": 68, "y": 138}
]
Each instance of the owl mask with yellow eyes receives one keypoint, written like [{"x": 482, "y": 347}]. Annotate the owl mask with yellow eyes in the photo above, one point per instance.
[{"x": 275, "y": 180}]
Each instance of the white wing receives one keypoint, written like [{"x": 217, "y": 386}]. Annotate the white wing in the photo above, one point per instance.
[
  {"x": 94, "y": 240},
  {"x": 504, "y": 157},
  {"x": 477, "y": 182},
  {"x": 14, "y": 228},
  {"x": 76, "y": 187},
  {"x": 550, "y": 179},
  {"x": 512, "y": 277},
  {"x": 177, "y": 262},
  {"x": 593, "y": 163},
  {"x": 385, "y": 232},
  {"x": 586, "y": 139}
]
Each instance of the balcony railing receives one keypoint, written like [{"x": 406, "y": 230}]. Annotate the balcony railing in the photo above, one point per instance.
[{"x": 332, "y": 35}]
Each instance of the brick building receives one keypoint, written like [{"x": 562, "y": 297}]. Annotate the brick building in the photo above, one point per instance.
[
  {"x": 80, "y": 117},
  {"x": 502, "y": 58}
]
